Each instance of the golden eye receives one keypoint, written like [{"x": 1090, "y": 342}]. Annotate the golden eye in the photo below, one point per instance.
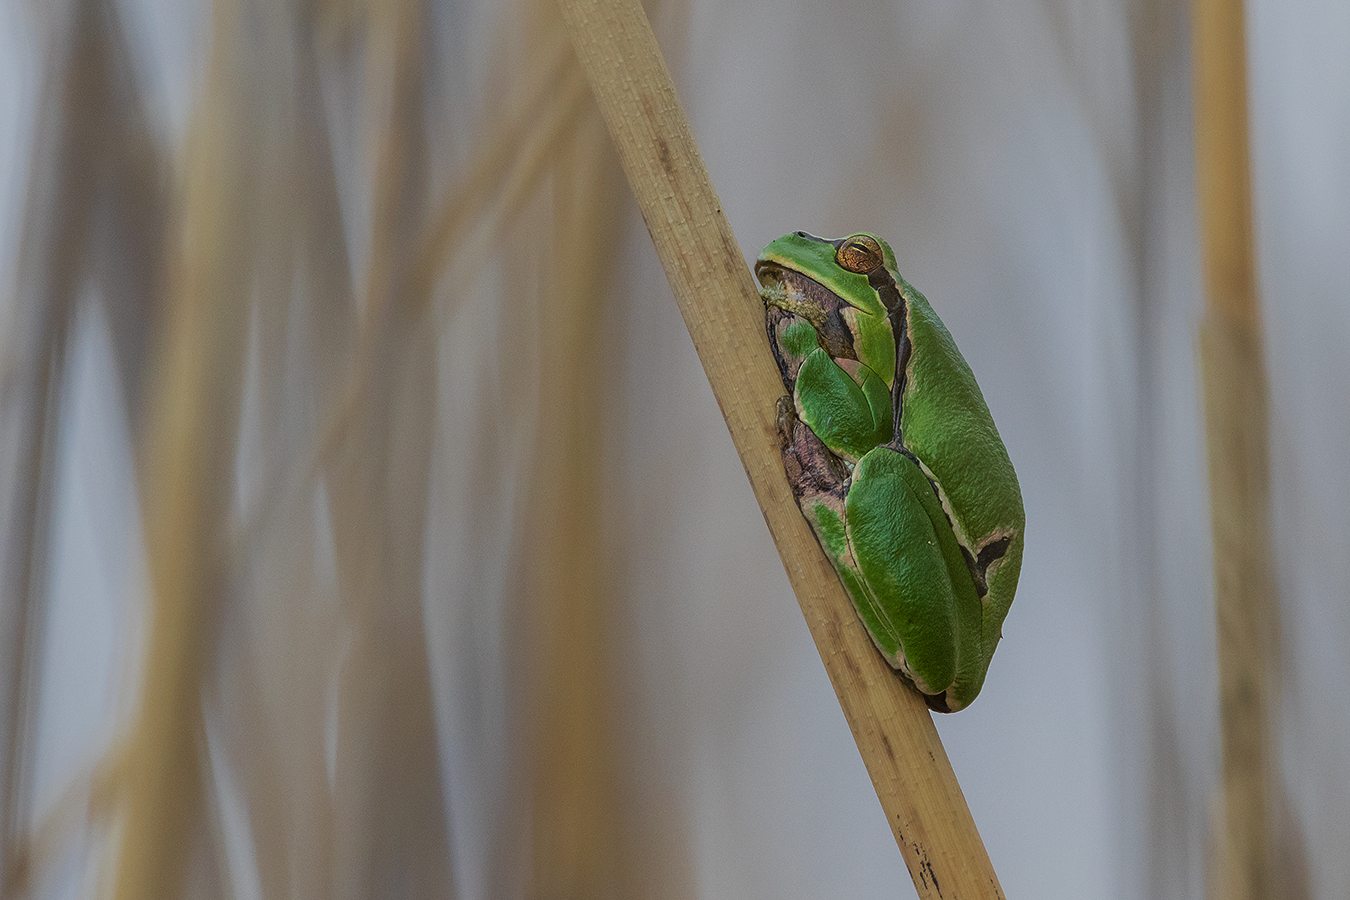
[{"x": 860, "y": 253}]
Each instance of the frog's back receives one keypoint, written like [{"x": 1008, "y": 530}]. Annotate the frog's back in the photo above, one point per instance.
[{"x": 947, "y": 425}]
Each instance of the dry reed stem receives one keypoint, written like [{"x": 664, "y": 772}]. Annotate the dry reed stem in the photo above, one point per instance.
[
  {"x": 185, "y": 470},
  {"x": 1237, "y": 428},
  {"x": 28, "y": 540},
  {"x": 56, "y": 231},
  {"x": 505, "y": 170},
  {"x": 722, "y": 310},
  {"x": 512, "y": 154},
  {"x": 576, "y": 833},
  {"x": 272, "y": 689},
  {"x": 94, "y": 215},
  {"x": 390, "y": 816}
]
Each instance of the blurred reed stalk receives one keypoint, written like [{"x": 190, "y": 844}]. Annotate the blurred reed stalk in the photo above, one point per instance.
[
  {"x": 577, "y": 822},
  {"x": 269, "y": 698},
  {"x": 184, "y": 470},
  {"x": 263, "y": 380},
  {"x": 722, "y": 310},
  {"x": 93, "y": 231},
  {"x": 1237, "y": 423},
  {"x": 390, "y": 808},
  {"x": 49, "y": 259}
]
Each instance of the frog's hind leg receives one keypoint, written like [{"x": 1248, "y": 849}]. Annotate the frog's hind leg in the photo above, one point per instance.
[{"x": 913, "y": 565}]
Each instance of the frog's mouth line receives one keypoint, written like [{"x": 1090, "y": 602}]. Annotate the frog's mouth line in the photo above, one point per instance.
[
  {"x": 772, "y": 289},
  {"x": 797, "y": 293},
  {"x": 772, "y": 279},
  {"x": 801, "y": 295}
]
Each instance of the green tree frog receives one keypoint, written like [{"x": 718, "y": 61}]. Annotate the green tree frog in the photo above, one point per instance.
[{"x": 894, "y": 459}]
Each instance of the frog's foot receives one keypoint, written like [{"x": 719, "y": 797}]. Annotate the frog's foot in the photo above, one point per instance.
[{"x": 811, "y": 468}]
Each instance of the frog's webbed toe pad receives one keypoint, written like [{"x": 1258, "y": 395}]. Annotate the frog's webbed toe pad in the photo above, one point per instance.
[
  {"x": 785, "y": 418},
  {"x": 811, "y": 468}
]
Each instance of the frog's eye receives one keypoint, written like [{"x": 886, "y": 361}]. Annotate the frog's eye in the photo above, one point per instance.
[{"x": 860, "y": 253}]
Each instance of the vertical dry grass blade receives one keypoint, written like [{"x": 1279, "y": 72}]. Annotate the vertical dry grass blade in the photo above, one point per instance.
[
  {"x": 94, "y": 218},
  {"x": 390, "y": 816},
  {"x": 576, "y": 835},
  {"x": 712, "y": 286},
  {"x": 538, "y": 107},
  {"x": 270, "y": 695},
  {"x": 30, "y": 390},
  {"x": 186, "y": 473},
  {"x": 1237, "y": 426}
]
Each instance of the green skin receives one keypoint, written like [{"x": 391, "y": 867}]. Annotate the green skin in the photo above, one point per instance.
[{"x": 894, "y": 459}]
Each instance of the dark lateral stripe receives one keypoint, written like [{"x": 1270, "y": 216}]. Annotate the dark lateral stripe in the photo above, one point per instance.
[
  {"x": 881, "y": 281},
  {"x": 990, "y": 553}
]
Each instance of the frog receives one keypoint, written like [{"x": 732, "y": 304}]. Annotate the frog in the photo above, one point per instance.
[{"x": 893, "y": 458}]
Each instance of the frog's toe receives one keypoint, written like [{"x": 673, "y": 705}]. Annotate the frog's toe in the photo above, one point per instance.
[
  {"x": 811, "y": 468},
  {"x": 785, "y": 419}
]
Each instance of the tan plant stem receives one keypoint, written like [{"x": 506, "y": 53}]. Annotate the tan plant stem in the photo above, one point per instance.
[
  {"x": 577, "y": 825},
  {"x": 390, "y": 833},
  {"x": 1237, "y": 427},
  {"x": 722, "y": 310},
  {"x": 185, "y": 472}
]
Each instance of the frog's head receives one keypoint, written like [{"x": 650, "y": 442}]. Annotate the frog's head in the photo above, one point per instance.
[{"x": 843, "y": 288}]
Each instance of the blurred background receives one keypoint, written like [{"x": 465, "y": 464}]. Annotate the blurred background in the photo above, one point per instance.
[{"x": 370, "y": 530}]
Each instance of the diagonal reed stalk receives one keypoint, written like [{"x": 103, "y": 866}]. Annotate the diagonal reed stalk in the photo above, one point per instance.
[{"x": 707, "y": 273}]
